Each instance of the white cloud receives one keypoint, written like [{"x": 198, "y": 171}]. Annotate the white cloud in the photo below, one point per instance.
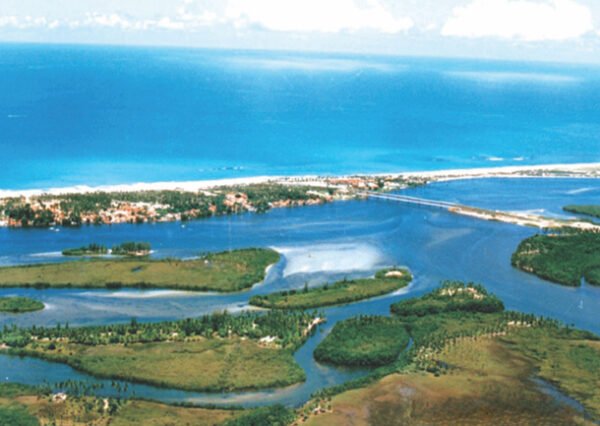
[
  {"x": 526, "y": 20},
  {"x": 23, "y": 23},
  {"x": 8, "y": 21},
  {"x": 327, "y": 16},
  {"x": 180, "y": 19},
  {"x": 169, "y": 24},
  {"x": 112, "y": 20}
]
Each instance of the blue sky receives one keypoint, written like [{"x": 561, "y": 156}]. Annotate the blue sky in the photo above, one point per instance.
[{"x": 551, "y": 30}]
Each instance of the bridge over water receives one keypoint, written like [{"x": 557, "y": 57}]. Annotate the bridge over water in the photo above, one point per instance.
[
  {"x": 515, "y": 218},
  {"x": 412, "y": 200}
]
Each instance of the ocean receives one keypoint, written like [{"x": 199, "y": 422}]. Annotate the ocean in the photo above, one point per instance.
[{"x": 100, "y": 115}]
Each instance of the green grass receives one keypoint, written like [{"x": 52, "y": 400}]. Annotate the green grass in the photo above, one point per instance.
[
  {"x": 18, "y": 305},
  {"x": 213, "y": 353},
  {"x": 562, "y": 258},
  {"x": 276, "y": 415},
  {"x": 566, "y": 358},
  {"x": 227, "y": 271},
  {"x": 211, "y": 365},
  {"x": 590, "y": 210},
  {"x": 146, "y": 413},
  {"x": 338, "y": 293},
  {"x": 24, "y": 406},
  {"x": 16, "y": 415},
  {"x": 472, "y": 365},
  {"x": 363, "y": 340},
  {"x": 12, "y": 390}
]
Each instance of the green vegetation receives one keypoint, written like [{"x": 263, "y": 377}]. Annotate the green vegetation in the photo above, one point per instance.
[
  {"x": 219, "y": 352},
  {"x": 202, "y": 364},
  {"x": 277, "y": 415},
  {"x": 100, "y": 207},
  {"x": 26, "y": 216},
  {"x": 147, "y": 413},
  {"x": 451, "y": 296},
  {"x": 288, "y": 327},
  {"x": 16, "y": 415},
  {"x": 227, "y": 271},
  {"x": 340, "y": 292},
  {"x": 363, "y": 340},
  {"x": 561, "y": 258},
  {"x": 565, "y": 357},
  {"x": 131, "y": 248},
  {"x": 28, "y": 406},
  {"x": 487, "y": 381},
  {"x": 11, "y": 412},
  {"x": 13, "y": 390},
  {"x": 262, "y": 195},
  {"x": 475, "y": 364},
  {"x": 590, "y": 210},
  {"x": 92, "y": 249},
  {"x": 17, "y": 305}
]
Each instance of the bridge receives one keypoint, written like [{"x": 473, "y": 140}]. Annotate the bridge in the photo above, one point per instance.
[
  {"x": 515, "y": 218},
  {"x": 412, "y": 200}
]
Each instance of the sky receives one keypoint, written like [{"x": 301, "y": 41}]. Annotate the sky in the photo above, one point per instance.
[{"x": 540, "y": 30}]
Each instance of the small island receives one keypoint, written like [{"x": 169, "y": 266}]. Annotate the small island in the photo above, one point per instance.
[
  {"x": 345, "y": 291},
  {"x": 228, "y": 271},
  {"x": 214, "y": 353},
  {"x": 129, "y": 248},
  {"x": 18, "y": 305},
  {"x": 563, "y": 258},
  {"x": 363, "y": 341},
  {"x": 588, "y": 210},
  {"x": 92, "y": 249}
]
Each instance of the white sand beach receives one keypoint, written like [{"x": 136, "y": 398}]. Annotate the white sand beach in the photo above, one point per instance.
[{"x": 580, "y": 170}]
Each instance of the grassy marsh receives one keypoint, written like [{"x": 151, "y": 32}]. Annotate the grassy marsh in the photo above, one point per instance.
[{"x": 226, "y": 271}]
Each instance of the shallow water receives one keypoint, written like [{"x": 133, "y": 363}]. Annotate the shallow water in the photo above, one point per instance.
[{"x": 320, "y": 243}]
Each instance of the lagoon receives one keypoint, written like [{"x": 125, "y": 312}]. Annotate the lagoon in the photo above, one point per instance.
[{"x": 319, "y": 244}]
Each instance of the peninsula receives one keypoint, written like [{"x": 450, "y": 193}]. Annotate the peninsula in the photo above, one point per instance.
[
  {"x": 214, "y": 353},
  {"x": 181, "y": 201},
  {"x": 341, "y": 292},
  {"x": 564, "y": 258}
]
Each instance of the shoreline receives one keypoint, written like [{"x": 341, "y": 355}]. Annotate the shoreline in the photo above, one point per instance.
[{"x": 578, "y": 170}]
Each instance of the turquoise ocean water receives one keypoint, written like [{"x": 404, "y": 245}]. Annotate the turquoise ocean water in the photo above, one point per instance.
[{"x": 105, "y": 115}]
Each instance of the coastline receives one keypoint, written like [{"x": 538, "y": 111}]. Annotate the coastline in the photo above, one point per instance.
[{"x": 578, "y": 170}]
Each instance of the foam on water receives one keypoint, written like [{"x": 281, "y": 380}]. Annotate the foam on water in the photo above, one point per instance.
[
  {"x": 342, "y": 257},
  {"x": 47, "y": 254},
  {"x": 542, "y": 212},
  {"x": 142, "y": 294},
  {"x": 582, "y": 190}
]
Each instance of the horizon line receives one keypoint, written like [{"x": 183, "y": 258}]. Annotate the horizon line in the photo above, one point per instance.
[{"x": 326, "y": 52}]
